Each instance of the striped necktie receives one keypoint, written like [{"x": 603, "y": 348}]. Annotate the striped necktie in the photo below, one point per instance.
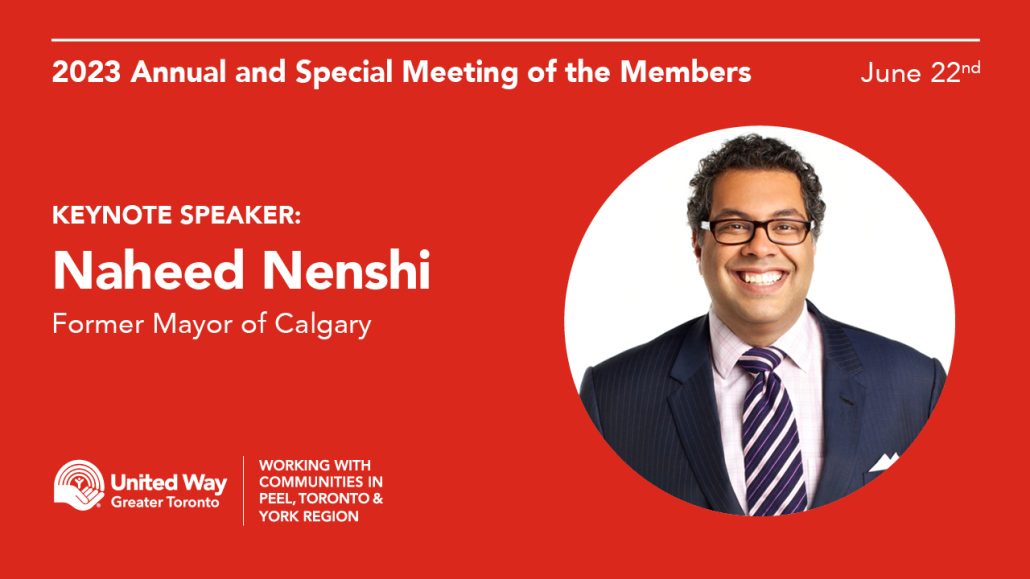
[{"x": 772, "y": 449}]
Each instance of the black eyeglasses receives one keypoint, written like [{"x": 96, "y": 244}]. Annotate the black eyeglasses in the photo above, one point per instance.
[{"x": 741, "y": 231}]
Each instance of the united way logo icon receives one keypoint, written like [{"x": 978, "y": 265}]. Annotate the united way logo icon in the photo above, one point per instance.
[{"x": 79, "y": 484}]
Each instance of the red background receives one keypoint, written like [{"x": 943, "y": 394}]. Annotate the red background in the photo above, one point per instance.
[{"x": 461, "y": 395}]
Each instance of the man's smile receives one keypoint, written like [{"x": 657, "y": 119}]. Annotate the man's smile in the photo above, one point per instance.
[{"x": 761, "y": 281}]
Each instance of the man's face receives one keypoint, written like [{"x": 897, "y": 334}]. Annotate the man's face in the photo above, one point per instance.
[{"x": 758, "y": 287}]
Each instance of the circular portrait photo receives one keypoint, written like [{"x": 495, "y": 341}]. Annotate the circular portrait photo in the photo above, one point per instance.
[{"x": 759, "y": 321}]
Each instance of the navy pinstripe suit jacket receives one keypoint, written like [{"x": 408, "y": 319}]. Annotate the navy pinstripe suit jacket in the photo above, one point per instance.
[{"x": 655, "y": 406}]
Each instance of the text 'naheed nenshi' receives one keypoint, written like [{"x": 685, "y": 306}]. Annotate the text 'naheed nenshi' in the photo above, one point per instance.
[{"x": 279, "y": 272}]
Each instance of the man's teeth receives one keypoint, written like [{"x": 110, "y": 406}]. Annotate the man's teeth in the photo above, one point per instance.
[{"x": 767, "y": 278}]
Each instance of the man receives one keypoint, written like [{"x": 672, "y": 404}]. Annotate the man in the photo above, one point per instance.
[{"x": 764, "y": 406}]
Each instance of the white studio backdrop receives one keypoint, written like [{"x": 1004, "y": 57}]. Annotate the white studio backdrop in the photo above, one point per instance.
[{"x": 878, "y": 265}]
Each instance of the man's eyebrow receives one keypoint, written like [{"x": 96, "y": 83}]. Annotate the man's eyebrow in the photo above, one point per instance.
[
  {"x": 729, "y": 213},
  {"x": 743, "y": 215},
  {"x": 788, "y": 213}
]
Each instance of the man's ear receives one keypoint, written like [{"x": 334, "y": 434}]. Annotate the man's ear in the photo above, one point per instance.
[{"x": 695, "y": 241}]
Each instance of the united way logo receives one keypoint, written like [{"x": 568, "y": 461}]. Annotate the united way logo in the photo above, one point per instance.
[{"x": 79, "y": 484}]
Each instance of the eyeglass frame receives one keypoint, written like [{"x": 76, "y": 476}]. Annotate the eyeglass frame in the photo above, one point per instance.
[{"x": 707, "y": 226}]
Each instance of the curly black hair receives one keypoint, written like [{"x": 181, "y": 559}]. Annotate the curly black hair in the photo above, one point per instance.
[{"x": 753, "y": 152}]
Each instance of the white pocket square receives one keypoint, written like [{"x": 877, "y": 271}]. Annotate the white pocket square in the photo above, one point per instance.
[{"x": 884, "y": 463}]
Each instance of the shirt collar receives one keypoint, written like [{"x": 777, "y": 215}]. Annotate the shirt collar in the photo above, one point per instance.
[{"x": 727, "y": 348}]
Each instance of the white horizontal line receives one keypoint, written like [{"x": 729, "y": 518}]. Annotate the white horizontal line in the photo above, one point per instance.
[{"x": 513, "y": 40}]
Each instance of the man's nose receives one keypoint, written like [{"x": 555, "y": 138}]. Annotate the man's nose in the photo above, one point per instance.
[{"x": 760, "y": 244}]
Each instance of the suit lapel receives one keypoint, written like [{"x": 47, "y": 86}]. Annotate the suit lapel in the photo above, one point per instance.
[
  {"x": 843, "y": 403},
  {"x": 697, "y": 420}
]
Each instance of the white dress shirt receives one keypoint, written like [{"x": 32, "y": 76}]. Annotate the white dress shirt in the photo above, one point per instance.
[{"x": 802, "y": 375}]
